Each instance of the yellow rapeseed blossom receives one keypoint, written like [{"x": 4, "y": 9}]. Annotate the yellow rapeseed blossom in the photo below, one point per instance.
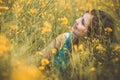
[
  {"x": 43, "y": 14},
  {"x": 75, "y": 47},
  {"x": 51, "y": 16},
  {"x": 99, "y": 7},
  {"x": 89, "y": 6},
  {"x": 100, "y": 47},
  {"x": 68, "y": 6},
  {"x": 41, "y": 68},
  {"x": 17, "y": 8},
  {"x": 1, "y": 1},
  {"x": 116, "y": 59},
  {"x": 95, "y": 40},
  {"x": 13, "y": 27},
  {"x": 45, "y": 30},
  {"x": 29, "y": 2},
  {"x": 47, "y": 24},
  {"x": 80, "y": 47},
  {"x": 65, "y": 49},
  {"x": 25, "y": 72},
  {"x": 99, "y": 63},
  {"x": 44, "y": 62},
  {"x": 47, "y": 27},
  {"x": 64, "y": 20},
  {"x": 0, "y": 13},
  {"x": 4, "y": 8},
  {"x": 39, "y": 53},
  {"x": 117, "y": 48},
  {"x": 108, "y": 30},
  {"x": 85, "y": 37},
  {"x": 32, "y": 11},
  {"x": 112, "y": 5},
  {"x": 92, "y": 69},
  {"x": 4, "y": 44},
  {"x": 54, "y": 51}
]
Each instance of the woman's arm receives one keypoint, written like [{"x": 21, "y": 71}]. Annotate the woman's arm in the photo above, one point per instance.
[{"x": 56, "y": 43}]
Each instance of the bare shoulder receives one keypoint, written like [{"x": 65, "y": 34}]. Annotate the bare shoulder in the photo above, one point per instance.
[{"x": 66, "y": 34}]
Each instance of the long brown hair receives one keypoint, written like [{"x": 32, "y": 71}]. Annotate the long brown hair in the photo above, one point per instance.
[{"x": 100, "y": 21}]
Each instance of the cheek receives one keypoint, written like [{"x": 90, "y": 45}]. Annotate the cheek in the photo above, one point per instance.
[{"x": 81, "y": 28}]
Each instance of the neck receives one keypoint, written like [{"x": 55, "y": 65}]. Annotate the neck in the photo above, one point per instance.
[{"x": 76, "y": 36}]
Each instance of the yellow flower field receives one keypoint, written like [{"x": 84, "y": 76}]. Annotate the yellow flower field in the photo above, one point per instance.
[{"x": 28, "y": 26}]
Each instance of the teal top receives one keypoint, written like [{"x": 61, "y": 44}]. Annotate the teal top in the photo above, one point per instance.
[{"x": 62, "y": 58}]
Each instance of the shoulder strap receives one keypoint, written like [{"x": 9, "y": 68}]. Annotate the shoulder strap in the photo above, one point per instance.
[{"x": 62, "y": 57}]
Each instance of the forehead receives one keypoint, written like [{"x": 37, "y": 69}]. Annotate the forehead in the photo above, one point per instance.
[{"x": 87, "y": 17}]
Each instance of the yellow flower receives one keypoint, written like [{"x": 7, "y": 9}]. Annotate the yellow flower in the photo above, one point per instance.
[
  {"x": 64, "y": 20},
  {"x": 1, "y": 1},
  {"x": 41, "y": 68},
  {"x": 95, "y": 40},
  {"x": 89, "y": 6},
  {"x": 29, "y": 2},
  {"x": 43, "y": 14},
  {"x": 117, "y": 48},
  {"x": 68, "y": 6},
  {"x": 75, "y": 47},
  {"x": 32, "y": 11},
  {"x": 24, "y": 72},
  {"x": 80, "y": 47},
  {"x": 108, "y": 30},
  {"x": 76, "y": 9},
  {"x": 112, "y": 5},
  {"x": 39, "y": 53},
  {"x": 51, "y": 16},
  {"x": 13, "y": 27},
  {"x": 65, "y": 48},
  {"x": 99, "y": 7},
  {"x": 17, "y": 8},
  {"x": 99, "y": 63},
  {"x": 4, "y": 44},
  {"x": 47, "y": 27},
  {"x": 0, "y": 13},
  {"x": 92, "y": 69},
  {"x": 100, "y": 47},
  {"x": 47, "y": 24},
  {"x": 54, "y": 51},
  {"x": 85, "y": 37},
  {"x": 3, "y": 8},
  {"x": 44, "y": 62},
  {"x": 116, "y": 59}
]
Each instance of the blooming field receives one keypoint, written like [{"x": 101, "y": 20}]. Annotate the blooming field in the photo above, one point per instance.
[{"x": 28, "y": 26}]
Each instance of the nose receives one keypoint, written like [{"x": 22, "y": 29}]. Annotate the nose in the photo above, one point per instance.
[{"x": 78, "y": 20}]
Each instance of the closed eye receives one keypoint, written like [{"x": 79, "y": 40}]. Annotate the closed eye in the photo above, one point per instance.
[{"x": 83, "y": 22}]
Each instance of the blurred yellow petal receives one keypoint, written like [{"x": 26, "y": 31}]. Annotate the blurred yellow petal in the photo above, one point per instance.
[
  {"x": 41, "y": 68},
  {"x": 75, "y": 47},
  {"x": 80, "y": 47},
  {"x": 92, "y": 69},
  {"x": 54, "y": 51},
  {"x": 44, "y": 62}
]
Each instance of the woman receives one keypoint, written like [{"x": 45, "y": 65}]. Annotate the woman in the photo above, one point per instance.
[{"x": 91, "y": 24}]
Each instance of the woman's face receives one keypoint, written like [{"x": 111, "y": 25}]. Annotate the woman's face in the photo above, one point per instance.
[{"x": 81, "y": 25}]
